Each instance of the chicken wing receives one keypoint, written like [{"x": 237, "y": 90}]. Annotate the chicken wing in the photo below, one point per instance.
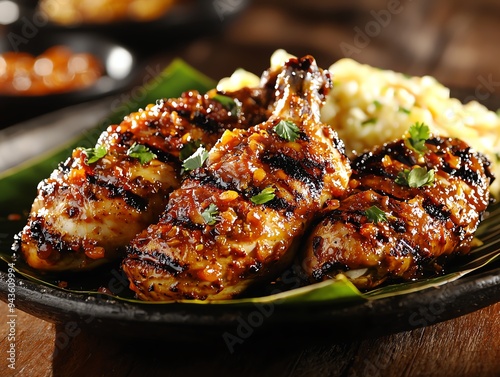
[
  {"x": 235, "y": 221},
  {"x": 96, "y": 201},
  {"x": 406, "y": 215}
]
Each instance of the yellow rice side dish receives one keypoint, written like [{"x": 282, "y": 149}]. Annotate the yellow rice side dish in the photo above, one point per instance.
[{"x": 369, "y": 106}]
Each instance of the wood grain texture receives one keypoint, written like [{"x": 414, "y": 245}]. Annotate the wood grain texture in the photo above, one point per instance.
[{"x": 466, "y": 346}]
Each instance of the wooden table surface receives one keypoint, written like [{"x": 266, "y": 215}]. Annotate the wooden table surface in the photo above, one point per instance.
[
  {"x": 466, "y": 346},
  {"x": 455, "y": 41}
]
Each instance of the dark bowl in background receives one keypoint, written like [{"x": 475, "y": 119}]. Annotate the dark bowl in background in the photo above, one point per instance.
[{"x": 120, "y": 67}]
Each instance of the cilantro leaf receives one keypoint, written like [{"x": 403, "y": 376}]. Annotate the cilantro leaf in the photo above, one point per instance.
[
  {"x": 231, "y": 104},
  {"x": 375, "y": 215},
  {"x": 210, "y": 213},
  {"x": 264, "y": 196},
  {"x": 188, "y": 149},
  {"x": 404, "y": 110},
  {"x": 416, "y": 177},
  {"x": 141, "y": 152},
  {"x": 95, "y": 154},
  {"x": 287, "y": 130},
  {"x": 419, "y": 133},
  {"x": 369, "y": 121},
  {"x": 196, "y": 160}
]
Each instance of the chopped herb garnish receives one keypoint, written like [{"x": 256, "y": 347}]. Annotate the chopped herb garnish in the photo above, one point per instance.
[
  {"x": 369, "y": 121},
  {"x": 196, "y": 160},
  {"x": 210, "y": 213},
  {"x": 95, "y": 154},
  {"x": 264, "y": 196},
  {"x": 416, "y": 177},
  {"x": 375, "y": 215},
  {"x": 141, "y": 152},
  {"x": 287, "y": 130},
  {"x": 377, "y": 104},
  {"x": 188, "y": 149},
  {"x": 231, "y": 104},
  {"x": 404, "y": 110},
  {"x": 419, "y": 133}
]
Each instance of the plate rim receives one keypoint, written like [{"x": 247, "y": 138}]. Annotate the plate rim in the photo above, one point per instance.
[{"x": 380, "y": 316}]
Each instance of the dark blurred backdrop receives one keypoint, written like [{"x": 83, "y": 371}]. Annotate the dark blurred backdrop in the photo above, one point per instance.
[{"x": 456, "y": 41}]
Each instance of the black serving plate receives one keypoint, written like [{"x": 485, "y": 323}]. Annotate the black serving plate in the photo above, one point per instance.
[
  {"x": 120, "y": 69},
  {"x": 205, "y": 322}
]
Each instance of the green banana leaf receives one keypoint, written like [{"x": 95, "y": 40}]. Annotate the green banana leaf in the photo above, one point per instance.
[{"x": 18, "y": 189}]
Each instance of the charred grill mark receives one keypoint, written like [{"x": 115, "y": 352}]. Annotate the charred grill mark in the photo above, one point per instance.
[
  {"x": 369, "y": 164},
  {"x": 317, "y": 243},
  {"x": 466, "y": 174},
  {"x": 133, "y": 200},
  {"x": 203, "y": 121},
  {"x": 398, "y": 225},
  {"x": 126, "y": 137},
  {"x": 334, "y": 215},
  {"x": 464, "y": 153},
  {"x": 167, "y": 263},
  {"x": 186, "y": 114},
  {"x": 338, "y": 143},
  {"x": 183, "y": 221},
  {"x": 163, "y": 156},
  {"x": 436, "y": 141},
  {"x": 328, "y": 267},
  {"x": 436, "y": 211},
  {"x": 65, "y": 167},
  {"x": 157, "y": 260},
  {"x": 298, "y": 170},
  {"x": 277, "y": 203},
  {"x": 399, "y": 152},
  {"x": 256, "y": 267},
  {"x": 280, "y": 204},
  {"x": 72, "y": 212},
  {"x": 46, "y": 239},
  {"x": 402, "y": 249},
  {"x": 206, "y": 177}
]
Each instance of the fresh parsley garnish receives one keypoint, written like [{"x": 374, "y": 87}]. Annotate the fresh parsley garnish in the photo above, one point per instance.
[
  {"x": 404, "y": 110},
  {"x": 419, "y": 133},
  {"x": 369, "y": 121},
  {"x": 264, "y": 196},
  {"x": 375, "y": 215},
  {"x": 188, "y": 149},
  {"x": 196, "y": 160},
  {"x": 231, "y": 104},
  {"x": 416, "y": 177},
  {"x": 287, "y": 130},
  {"x": 95, "y": 154},
  {"x": 210, "y": 213},
  {"x": 141, "y": 152}
]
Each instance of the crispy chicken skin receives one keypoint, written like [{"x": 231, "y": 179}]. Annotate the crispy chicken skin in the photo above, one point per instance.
[
  {"x": 423, "y": 225},
  {"x": 85, "y": 213},
  {"x": 184, "y": 256}
]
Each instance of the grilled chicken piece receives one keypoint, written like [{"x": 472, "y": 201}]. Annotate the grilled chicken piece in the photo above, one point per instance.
[
  {"x": 213, "y": 241},
  {"x": 87, "y": 212},
  {"x": 423, "y": 226}
]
